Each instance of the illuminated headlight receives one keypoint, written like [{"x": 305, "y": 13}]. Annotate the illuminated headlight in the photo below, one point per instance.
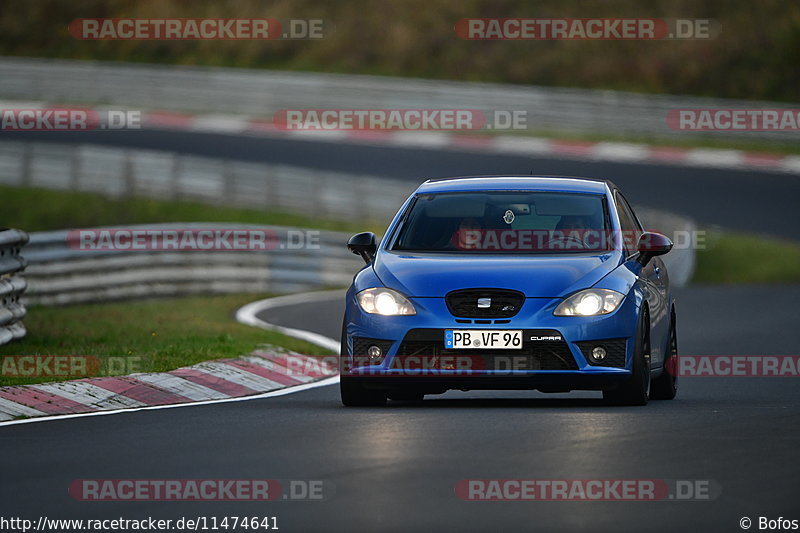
[
  {"x": 590, "y": 302},
  {"x": 382, "y": 301}
]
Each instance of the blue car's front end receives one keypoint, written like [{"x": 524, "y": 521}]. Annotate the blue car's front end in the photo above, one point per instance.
[{"x": 466, "y": 320}]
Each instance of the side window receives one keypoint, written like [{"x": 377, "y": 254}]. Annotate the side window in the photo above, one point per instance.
[
  {"x": 636, "y": 221},
  {"x": 630, "y": 226}
]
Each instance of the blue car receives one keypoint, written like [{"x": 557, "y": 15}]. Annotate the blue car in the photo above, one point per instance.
[{"x": 519, "y": 282}]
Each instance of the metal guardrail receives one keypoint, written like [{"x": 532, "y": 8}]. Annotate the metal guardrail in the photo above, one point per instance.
[
  {"x": 12, "y": 284},
  {"x": 120, "y": 172},
  {"x": 59, "y": 273},
  {"x": 260, "y": 93}
]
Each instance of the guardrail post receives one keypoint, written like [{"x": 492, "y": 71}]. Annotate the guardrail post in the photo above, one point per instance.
[{"x": 12, "y": 284}]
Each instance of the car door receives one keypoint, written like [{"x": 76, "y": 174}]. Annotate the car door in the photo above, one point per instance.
[{"x": 653, "y": 278}]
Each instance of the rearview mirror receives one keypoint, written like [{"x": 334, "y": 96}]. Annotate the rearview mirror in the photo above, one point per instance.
[
  {"x": 363, "y": 244},
  {"x": 652, "y": 244}
]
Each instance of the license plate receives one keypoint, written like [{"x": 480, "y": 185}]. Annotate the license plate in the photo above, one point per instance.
[{"x": 490, "y": 339}]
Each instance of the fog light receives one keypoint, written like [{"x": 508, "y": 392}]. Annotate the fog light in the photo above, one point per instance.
[
  {"x": 374, "y": 352},
  {"x": 598, "y": 353}
]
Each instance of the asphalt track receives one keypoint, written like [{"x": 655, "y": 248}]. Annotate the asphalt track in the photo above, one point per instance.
[
  {"x": 745, "y": 200},
  {"x": 395, "y": 468}
]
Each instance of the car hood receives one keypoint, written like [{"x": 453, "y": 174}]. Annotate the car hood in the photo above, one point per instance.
[{"x": 434, "y": 275}]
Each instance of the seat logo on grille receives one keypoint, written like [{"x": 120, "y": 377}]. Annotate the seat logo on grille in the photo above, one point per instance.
[{"x": 484, "y": 303}]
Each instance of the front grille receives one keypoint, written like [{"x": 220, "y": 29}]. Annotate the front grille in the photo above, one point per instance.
[
  {"x": 504, "y": 303},
  {"x": 534, "y": 355},
  {"x": 615, "y": 352}
]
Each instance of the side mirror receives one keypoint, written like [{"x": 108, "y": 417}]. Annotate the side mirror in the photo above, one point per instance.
[
  {"x": 652, "y": 244},
  {"x": 365, "y": 245}
]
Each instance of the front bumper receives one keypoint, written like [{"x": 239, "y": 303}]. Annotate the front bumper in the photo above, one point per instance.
[{"x": 413, "y": 353}]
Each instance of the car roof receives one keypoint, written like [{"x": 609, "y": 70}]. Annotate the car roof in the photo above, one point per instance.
[{"x": 511, "y": 183}]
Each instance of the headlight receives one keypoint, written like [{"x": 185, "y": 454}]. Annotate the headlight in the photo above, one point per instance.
[
  {"x": 591, "y": 302},
  {"x": 382, "y": 301}
]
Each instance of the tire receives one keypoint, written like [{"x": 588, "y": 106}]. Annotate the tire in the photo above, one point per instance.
[
  {"x": 635, "y": 391},
  {"x": 665, "y": 386},
  {"x": 354, "y": 394}
]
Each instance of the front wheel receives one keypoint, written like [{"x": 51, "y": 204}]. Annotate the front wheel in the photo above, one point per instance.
[
  {"x": 354, "y": 394},
  {"x": 636, "y": 390}
]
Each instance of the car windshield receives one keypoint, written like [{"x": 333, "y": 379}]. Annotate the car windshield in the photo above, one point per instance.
[{"x": 506, "y": 222}]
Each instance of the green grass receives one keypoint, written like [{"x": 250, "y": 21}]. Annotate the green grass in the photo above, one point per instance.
[
  {"x": 755, "y": 55},
  {"x": 145, "y": 335},
  {"x": 34, "y": 209},
  {"x": 743, "y": 258}
]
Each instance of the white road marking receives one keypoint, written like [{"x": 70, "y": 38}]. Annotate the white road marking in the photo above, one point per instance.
[
  {"x": 318, "y": 135},
  {"x": 791, "y": 164},
  {"x": 522, "y": 145},
  {"x": 223, "y": 123},
  {"x": 247, "y": 315},
  {"x": 621, "y": 151},
  {"x": 419, "y": 139},
  {"x": 715, "y": 158}
]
